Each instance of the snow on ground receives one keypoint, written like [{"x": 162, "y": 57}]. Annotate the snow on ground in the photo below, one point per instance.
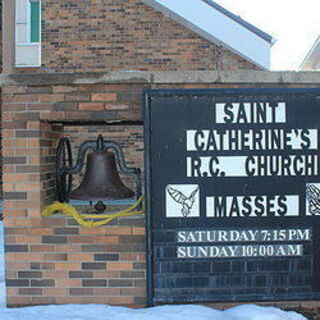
[{"x": 101, "y": 312}]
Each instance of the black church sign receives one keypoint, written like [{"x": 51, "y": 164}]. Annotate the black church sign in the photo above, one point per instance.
[{"x": 233, "y": 190}]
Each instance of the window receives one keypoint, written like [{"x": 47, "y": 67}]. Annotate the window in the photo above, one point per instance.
[{"x": 28, "y": 33}]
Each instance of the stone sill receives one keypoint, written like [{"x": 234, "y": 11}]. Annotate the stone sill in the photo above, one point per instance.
[{"x": 165, "y": 77}]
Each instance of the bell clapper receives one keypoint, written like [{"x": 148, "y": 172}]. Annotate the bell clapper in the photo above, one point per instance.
[{"x": 100, "y": 207}]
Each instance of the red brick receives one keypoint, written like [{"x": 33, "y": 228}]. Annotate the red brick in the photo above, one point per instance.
[
  {"x": 51, "y": 97},
  {"x": 104, "y": 97},
  {"x": 92, "y": 106}
]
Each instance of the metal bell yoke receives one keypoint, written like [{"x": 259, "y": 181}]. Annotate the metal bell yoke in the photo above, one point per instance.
[{"x": 101, "y": 181}]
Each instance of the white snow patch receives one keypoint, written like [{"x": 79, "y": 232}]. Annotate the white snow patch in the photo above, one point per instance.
[
  {"x": 253, "y": 312},
  {"x": 102, "y": 312},
  {"x": 187, "y": 312}
]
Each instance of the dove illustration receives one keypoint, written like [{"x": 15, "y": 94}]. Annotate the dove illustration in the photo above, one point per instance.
[
  {"x": 187, "y": 202},
  {"x": 313, "y": 197}
]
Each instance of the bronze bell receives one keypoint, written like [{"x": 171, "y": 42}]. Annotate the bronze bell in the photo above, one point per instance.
[{"x": 101, "y": 181}]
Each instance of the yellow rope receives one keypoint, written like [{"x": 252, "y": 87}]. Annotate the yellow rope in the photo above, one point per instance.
[{"x": 69, "y": 210}]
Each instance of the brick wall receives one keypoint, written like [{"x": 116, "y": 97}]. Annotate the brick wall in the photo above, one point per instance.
[
  {"x": 53, "y": 260},
  {"x": 111, "y": 35}
]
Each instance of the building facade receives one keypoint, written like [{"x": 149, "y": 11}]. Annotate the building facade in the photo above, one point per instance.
[{"x": 79, "y": 73}]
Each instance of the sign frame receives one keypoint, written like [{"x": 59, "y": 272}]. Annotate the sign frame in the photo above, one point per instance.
[{"x": 149, "y": 95}]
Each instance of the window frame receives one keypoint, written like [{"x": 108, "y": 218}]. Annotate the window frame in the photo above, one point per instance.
[{"x": 28, "y": 43}]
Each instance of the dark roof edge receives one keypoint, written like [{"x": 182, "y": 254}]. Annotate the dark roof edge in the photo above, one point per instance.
[{"x": 239, "y": 20}]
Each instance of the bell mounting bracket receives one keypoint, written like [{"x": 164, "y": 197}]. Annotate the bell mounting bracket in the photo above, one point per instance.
[{"x": 65, "y": 168}]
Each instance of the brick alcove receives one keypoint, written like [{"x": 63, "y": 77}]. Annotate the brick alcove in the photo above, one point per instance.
[{"x": 54, "y": 260}]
